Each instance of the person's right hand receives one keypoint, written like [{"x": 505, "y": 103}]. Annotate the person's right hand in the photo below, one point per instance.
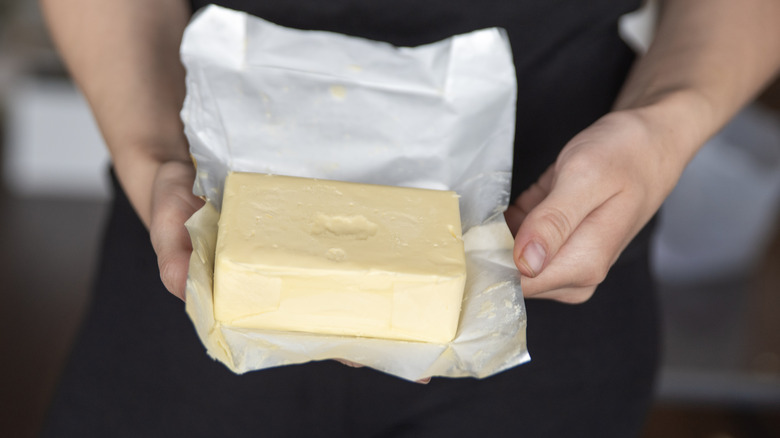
[
  {"x": 606, "y": 184},
  {"x": 172, "y": 203}
]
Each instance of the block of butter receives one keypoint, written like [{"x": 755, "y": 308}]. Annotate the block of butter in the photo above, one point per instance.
[{"x": 319, "y": 256}]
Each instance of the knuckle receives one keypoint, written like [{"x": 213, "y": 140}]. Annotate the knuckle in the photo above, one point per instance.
[
  {"x": 167, "y": 272},
  {"x": 556, "y": 224}
]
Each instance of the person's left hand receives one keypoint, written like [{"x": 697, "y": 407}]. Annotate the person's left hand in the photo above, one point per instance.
[
  {"x": 172, "y": 203},
  {"x": 606, "y": 184}
]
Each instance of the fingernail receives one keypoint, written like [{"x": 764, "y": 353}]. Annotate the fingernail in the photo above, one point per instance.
[{"x": 533, "y": 257}]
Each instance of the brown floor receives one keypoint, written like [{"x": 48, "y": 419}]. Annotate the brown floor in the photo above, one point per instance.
[{"x": 696, "y": 422}]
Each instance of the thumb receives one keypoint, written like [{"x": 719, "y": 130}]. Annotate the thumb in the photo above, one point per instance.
[
  {"x": 551, "y": 220},
  {"x": 172, "y": 204}
]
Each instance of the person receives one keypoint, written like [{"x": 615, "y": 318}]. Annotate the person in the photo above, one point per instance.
[{"x": 601, "y": 140}]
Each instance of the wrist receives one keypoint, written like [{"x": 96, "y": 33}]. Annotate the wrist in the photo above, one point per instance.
[{"x": 678, "y": 121}]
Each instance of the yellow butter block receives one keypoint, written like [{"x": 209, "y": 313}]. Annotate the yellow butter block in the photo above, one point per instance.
[{"x": 300, "y": 254}]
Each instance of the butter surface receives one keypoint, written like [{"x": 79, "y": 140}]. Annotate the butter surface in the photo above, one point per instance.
[{"x": 339, "y": 258}]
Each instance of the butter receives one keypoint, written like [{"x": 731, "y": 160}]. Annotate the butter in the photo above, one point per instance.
[{"x": 299, "y": 254}]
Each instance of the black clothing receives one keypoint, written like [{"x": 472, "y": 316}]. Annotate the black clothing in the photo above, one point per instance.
[{"x": 138, "y": 368}]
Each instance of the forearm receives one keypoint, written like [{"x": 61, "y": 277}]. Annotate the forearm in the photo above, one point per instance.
[
  {"x": 123, "y": 55},
  {"x": 707, "y": 60}
]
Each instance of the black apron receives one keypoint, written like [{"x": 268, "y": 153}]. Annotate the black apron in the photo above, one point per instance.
[{"x": 138, "y": 368}]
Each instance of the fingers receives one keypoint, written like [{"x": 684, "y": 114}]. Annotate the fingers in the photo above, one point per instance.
[
  {"x": 514, "y": 217},
  {"x": 572, "y": 225},
  {"x": 554, "y": 207},
  {"x": 535, "y": 194},
  {"x": 516, "y": 213},
  {"x": 568, "y": 295},
  {"x": 172, "y": 204},
  {"x": 583, "y": 262}
]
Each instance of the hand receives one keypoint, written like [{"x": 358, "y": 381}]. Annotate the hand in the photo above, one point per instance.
[
  {"x": 172, "y": 203},
  {"x": 574, "y": 222}
]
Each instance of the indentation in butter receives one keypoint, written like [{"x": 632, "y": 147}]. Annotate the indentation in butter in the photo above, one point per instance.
[
  {"x": 350, "y": 227},
  {"x": 336, "y": 254}
]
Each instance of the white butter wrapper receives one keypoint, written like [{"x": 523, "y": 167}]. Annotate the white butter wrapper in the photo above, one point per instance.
[{"x": 268, "y": 99}]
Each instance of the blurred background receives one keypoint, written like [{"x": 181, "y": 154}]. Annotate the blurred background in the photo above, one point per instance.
[{"x": 716, "y": 255}]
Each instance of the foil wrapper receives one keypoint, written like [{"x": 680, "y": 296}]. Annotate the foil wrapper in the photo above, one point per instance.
[{"x": 268, "y": 99}]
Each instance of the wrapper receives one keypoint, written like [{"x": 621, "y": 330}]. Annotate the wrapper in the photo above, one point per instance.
[{"x": 268, "y": 99}]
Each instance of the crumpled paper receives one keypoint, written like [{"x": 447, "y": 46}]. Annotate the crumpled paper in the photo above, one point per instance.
[{"x": 268, "y": 99}]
